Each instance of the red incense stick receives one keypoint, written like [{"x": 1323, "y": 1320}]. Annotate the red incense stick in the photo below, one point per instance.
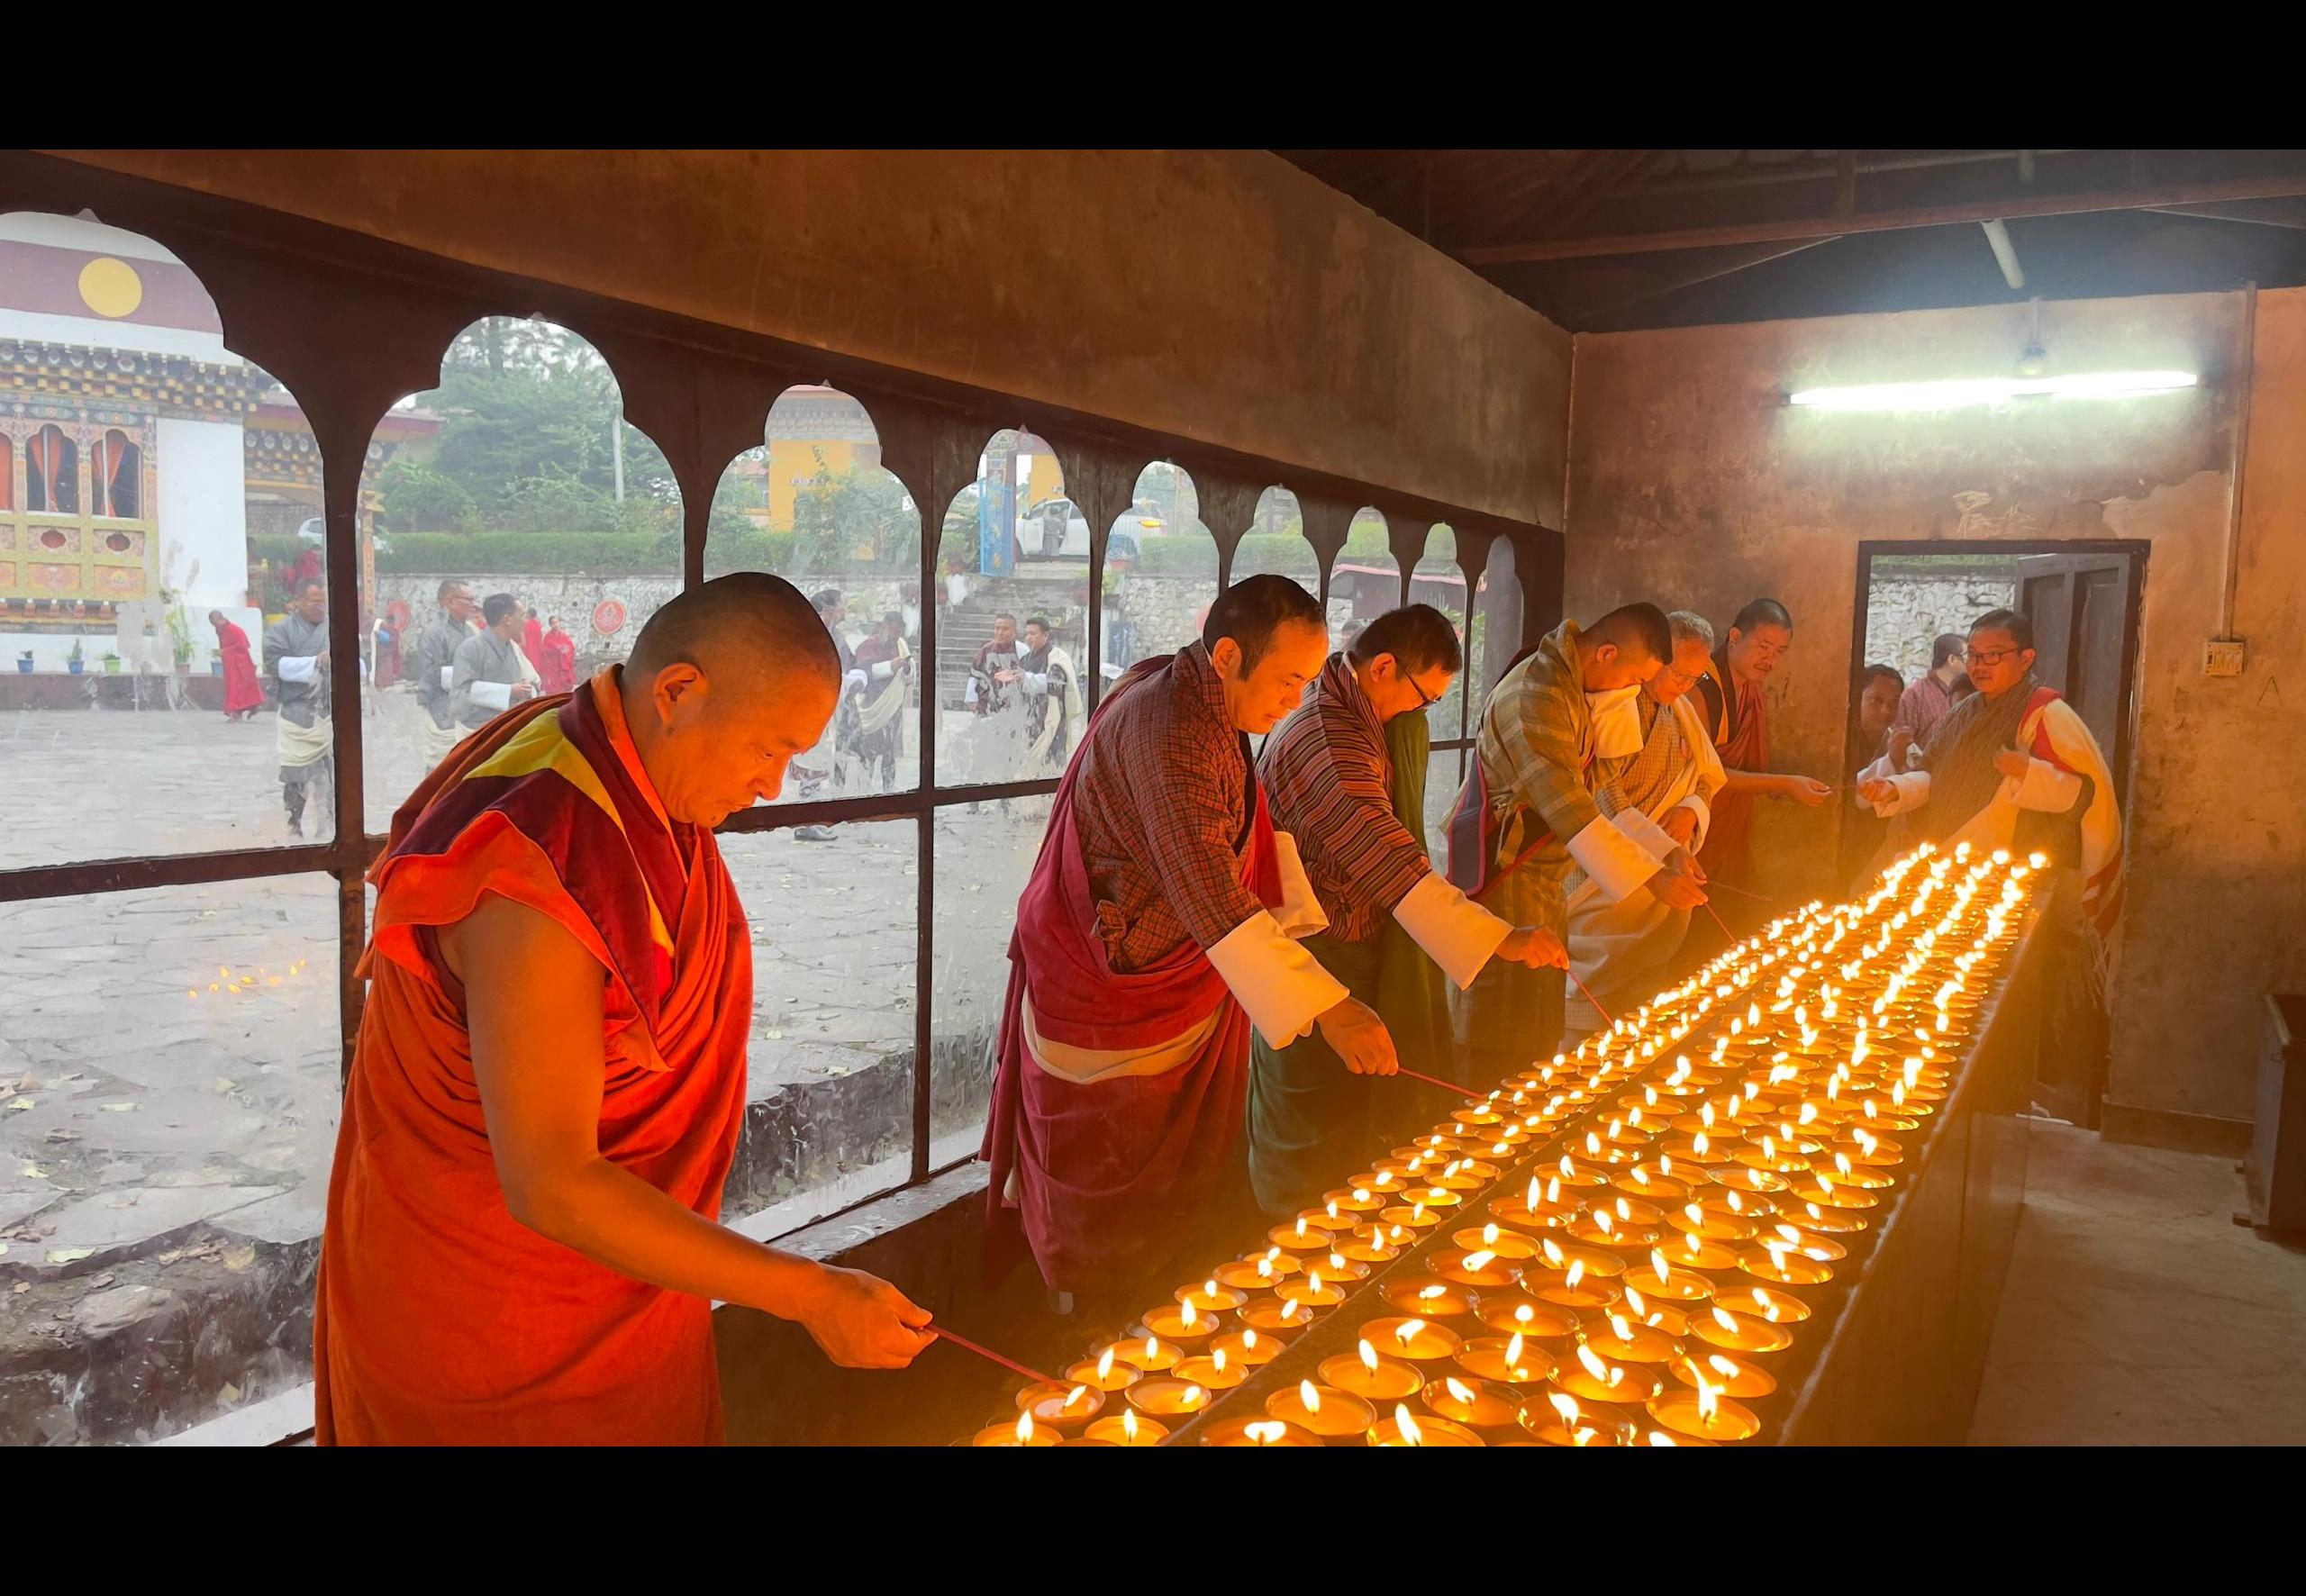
[
  {"x": 967, "y": 1345},
  {"x": 1437, "y": 1081}
]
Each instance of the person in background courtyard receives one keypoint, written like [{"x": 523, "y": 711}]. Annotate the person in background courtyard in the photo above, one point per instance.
[
  {"x": 297, "y": 657},
  {"x": 431, "y": 668},
  {"x": 243, "y": 694},
  {"x": 488, "y": 674},
  {"x": 557, "y": 665},
  {"x": 1923, "y": 705},
  {"x": 1053, "y": 703},
  {"x": 887, "y": 660}
]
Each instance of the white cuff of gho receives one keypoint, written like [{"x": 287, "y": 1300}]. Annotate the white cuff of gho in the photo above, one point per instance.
[
  {"x": 2047, "y": 788},
  {"x": 1699, "y": 807},
  {"x": 1615, "y": 861},
  {"x": 1911, "y": 792},
  {"x": 1647, "y": 834},
  {"x": 1301, "y": 913},
  {"x": 1284, "y": 988},
  {"x": 299, "y": 667},
  {"x": 1457, "y": 933},
  {"x": 491, "y": 695}
]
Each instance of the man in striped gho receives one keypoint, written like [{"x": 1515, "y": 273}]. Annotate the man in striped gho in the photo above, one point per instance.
[{"x": 1344, "y": 775}]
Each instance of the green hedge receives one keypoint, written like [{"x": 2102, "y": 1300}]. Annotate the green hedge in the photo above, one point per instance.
[{"x": 547, "y": 554}]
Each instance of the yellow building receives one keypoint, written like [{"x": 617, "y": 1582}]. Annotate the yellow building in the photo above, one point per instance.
[{"x": 811, "y": 429}]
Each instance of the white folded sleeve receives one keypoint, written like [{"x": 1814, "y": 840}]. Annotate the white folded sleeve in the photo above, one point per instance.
[
  {"x": 883, "y": 671},
  {"x": 491, "y": 695},
  {"x": 1284, "y": 988},
  {"x": 1615, "y": 861},
  {"x": 1909, "y": 790},
  {"x": 448, "y": 678},
  {"x": 1647, "y": 834},
  {"x": 1457, "y": 933},
  {"x": 301, "y": 668},
  {"x": 2047, "y": 788},
  {"x": 1699, "y": 807},
  {"x": 1301, "y": 913}
]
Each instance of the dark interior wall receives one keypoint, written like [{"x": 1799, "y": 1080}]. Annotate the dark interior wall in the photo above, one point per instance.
[
  {"x": 1223, "y": 297},
  {"x": 1690, "y": 484}
]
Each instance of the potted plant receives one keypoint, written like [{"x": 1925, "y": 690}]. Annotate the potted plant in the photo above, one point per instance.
[
  {"x": 72, "y": 661},
  {"x": 112, "y": 665},
  {"x": 24, "y": 662}
]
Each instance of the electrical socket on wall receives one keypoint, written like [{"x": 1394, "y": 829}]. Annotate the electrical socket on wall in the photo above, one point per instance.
[{"x": 2222, "y": 656}]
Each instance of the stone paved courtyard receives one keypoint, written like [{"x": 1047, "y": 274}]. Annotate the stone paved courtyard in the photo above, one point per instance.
[{"x": 168, "y": 1057}]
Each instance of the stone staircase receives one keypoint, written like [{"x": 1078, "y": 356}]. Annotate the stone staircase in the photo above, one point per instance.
[{"x": 964, "y": 627}]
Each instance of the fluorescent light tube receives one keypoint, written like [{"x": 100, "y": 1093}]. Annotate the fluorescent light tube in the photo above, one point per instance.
[{"x": 1992, "y": 390}]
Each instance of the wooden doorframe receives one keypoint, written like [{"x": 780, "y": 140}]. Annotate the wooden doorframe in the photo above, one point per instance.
[{"x": 2138, "y": 551}]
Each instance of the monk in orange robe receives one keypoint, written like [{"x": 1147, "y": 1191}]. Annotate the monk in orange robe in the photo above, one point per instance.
[{"x": 523, "y": 1242}]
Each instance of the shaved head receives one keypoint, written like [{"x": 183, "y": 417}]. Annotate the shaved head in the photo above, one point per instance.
[
  {"x": 726, "y": 684},
  {"x": 748, "y": 622}
]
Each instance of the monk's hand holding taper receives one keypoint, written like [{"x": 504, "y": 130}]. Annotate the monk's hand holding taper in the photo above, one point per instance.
[
  {"x": 1356, "y": 1034},
  {"x": 2012, "y": 763},
  {"x": 1680, "y": 884},
  {"x": 1535, "y": 946},
  {"x": 863, "y": 1322},
  {"x": 1804, "y": 789}
]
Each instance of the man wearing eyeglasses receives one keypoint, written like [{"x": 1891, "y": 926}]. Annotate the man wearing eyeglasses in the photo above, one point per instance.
[
  {"x": 2011, "y": 766},
  {"x": 1671, "y": 778},
  {"x": 2014, "y": 767},
  {"x": 1345, "y": 776}
]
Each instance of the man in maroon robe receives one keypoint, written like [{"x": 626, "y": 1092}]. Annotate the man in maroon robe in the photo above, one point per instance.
[
  {"x": 1157, "y": 928},
  {"x": 243, "y": 692}
]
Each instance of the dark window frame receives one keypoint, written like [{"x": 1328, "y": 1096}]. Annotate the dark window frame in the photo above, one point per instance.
[{"x": 349, "y": 324}]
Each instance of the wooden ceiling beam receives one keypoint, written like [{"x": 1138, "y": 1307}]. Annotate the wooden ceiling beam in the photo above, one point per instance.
[{"x": 1809, "y": 227}]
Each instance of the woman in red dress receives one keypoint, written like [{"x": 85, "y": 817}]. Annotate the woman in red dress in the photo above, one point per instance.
[{"x": 243, "y": 694}]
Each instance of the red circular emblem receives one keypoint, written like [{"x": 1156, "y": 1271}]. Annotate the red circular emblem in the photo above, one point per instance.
[
  {"x": 396, "y": 616},
  {"x": 608, "y": 617}
]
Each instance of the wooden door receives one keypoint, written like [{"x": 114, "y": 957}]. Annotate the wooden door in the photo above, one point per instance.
[{"x": 2084, "y": 611}]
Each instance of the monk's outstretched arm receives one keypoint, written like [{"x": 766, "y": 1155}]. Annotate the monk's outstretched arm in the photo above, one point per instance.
[{"x": 533, "y": 1002}]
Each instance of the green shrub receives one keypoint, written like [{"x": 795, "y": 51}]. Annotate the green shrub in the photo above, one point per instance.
[{"x": 547, "y": 554}]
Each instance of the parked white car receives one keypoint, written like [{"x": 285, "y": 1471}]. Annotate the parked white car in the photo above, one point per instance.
[{"x": 1054, "y": 529}]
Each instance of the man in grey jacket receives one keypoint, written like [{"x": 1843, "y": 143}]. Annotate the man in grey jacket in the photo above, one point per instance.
[
  {"x": 490, "y": 675},
  {"x": 431, "y": 662}
]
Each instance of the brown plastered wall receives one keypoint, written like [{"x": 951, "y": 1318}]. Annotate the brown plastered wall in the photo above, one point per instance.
[
  {"x": 1222, "y": 296},
  {"x": 1690, "y": 484}
]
